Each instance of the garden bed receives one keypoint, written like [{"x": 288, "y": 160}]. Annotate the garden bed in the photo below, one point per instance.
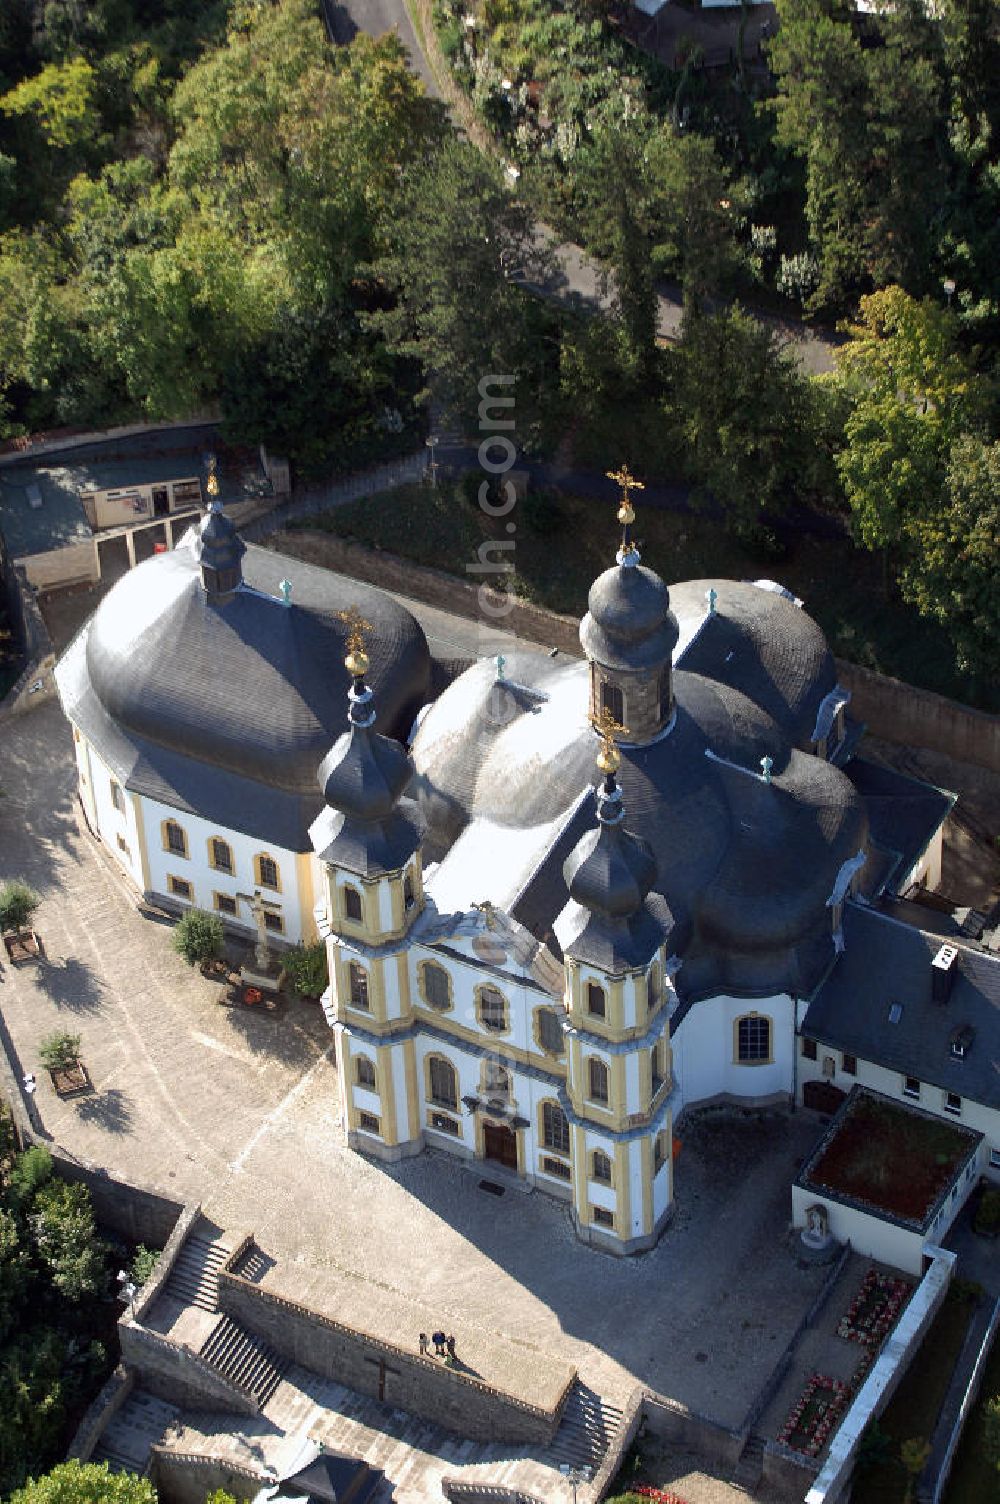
[
  {"x": 24, "y": 945},
  {"x": 71, "y": 1080},
  {"x": 875, "y": 1309},
  {"x": 815, "y": 1415}
]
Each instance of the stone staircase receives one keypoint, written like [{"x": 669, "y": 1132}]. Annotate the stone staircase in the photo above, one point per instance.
[
  {"x": 252, "y": 1264},
  {"x": 194, "y": 1279},
  {"x": 750, "y": 1468},
  {"x": 244, "y": 1359},
  {"x": 127, "y": 1439},
  {"x": 588, "y": 1427}
]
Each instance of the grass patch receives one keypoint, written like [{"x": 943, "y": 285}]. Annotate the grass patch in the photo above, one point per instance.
[
  {"x": 564, "y": 541},
  {"x": 914, "y": 1408}
]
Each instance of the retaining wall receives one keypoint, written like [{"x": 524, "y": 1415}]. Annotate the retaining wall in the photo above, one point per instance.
[
  {"x": 164, "y": 1265},
  {"x": 135, "y": 1213},
  {"x": 633, "y": 1415},
  {"x": 176, "y": 1373},
  {"x": 186, "y": 1478},
  {"x": 673, "y": 1422},
  {"x": 36, "y": 645},
  {"x": 106, "y": 1403},
  {"x": 899, "y": 712},
  {"x": 446, "y": 1396},
  {"x": 787, "y": 1472}
]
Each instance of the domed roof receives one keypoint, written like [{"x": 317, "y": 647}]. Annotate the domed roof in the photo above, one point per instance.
[
  {"x": 610, "y": 871},
  {"x": 245, "y": 682},
  {"x": 629, "y": 624}
]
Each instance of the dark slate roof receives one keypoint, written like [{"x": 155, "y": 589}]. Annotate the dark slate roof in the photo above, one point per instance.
[
  {"x": 886, "y": 961},
  {"x": 903, "y": 813},
  {"x": 250, "y": 686},
  {"x": 764, "y": 645},
  {"x": 335, "y": 1479},
  {"x": 629, "y": 624}
]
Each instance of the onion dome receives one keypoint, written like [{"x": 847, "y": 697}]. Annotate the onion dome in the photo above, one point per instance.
[
  {"x": 218, "y": 549},
  {"x": 629, "y": 624},
  {"x": 367, "y": 827}
]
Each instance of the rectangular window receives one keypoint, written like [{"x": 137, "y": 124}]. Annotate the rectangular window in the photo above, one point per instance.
[
  {"x": 753, "y": 1039},
  {"x": 911, "y": 1086},
  {"x": 444, "y": 1124},
  {"x": 602, "y": 1217},
  {"x": 849, "y": 1064},
  {"x": 808, "y": 1049},
  {"x": 953, "y": 1103},
  {"x": 274, "y": 922},
  {"x": 557, "y": 1167},
  {"x": 267, "y": 871},
  {"x": 656, "y": 1066},
  {"x": 123, "y": 846},
  {"x": 369, "y": 1122},
  {"x": 176, "y": 840},
  {"x": 222, "y": 857},
  {"x": 659, "y": 1152},
  {"x": 597, "y": 1005},
  {"x": 492, "y": 1010},
  {"x": 598, "y": 1073},
  {"x": 179, "y": 887},
  {"x": 435, "y": 984},
  {"x": 444, "y": 1083},
  {"x": 117, "y": 797},
  {"x": 359, "y": 986},
  {"x": 224, "y": 903}
]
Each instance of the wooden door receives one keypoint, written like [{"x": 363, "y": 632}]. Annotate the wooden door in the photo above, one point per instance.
[{"x": 500, "y": 1144}]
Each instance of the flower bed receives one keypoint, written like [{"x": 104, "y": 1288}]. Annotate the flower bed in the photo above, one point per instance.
[
  {"x": 817, "y": 1412},
  {"x": 873, "y": 1311},
  {"x": 660, "y": 1495}
]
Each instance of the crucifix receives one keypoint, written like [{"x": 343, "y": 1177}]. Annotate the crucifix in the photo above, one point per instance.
[
  {"x": 626, "y": 511},
  {"x": 260, "y": 907},
  {"x": 356, "y": 661},
  {"x": 383, "y": 1369}
]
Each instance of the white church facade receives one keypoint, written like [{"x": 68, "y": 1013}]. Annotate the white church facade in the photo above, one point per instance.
[{"x": 546, "y": 941}]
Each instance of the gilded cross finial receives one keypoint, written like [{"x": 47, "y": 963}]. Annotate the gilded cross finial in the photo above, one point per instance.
[
  {"x": 356, "y": 661},
  {"x": 212, "y": 483},
  {"x": 608, "y": 729},
  {"x": 626, "y": 511},
  {"x": 488, "y": 910}
]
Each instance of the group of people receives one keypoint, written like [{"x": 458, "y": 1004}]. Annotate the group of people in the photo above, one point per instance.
[{"x": 444, "y": 1347}]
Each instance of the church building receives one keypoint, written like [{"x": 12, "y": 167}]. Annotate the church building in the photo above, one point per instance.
[{"x": 563, "y": 900}]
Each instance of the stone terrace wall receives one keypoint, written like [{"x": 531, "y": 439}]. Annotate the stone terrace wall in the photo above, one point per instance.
[
  {"x": 686, "y": 1428},
  {"x": 136, "y": 1213},
  {"x": 108, "y": 1401},
  {"x": 185, "y": 1478},
  {"x": 446, "y": 1396},
  {"x": 176, "y": 1373},
  {"x": 898, "y": 712}
]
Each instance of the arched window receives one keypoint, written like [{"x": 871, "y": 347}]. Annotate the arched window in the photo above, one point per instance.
[
  {"x": 359, "y": 985},
  {"x": 659, "y": 1152},
  {"x": 352, "y": 904},
  {"x": 600, "y": 1167},
  {"x": 117, "y": 797},
  {"x": 443, "y": 1082},
  {"x": 408, "y": 898},
  {"x": 597, "y": 1003},
  {"x": 267, "y": 872},
  {"x": 174, "y": 839},
  {"x": 613, "y": 701},
  {"x": 492, "y": 1010},
  {"x": 550, "y": 1031},
  {"x": 364, "y": 1072},
  {"x": 555, "y": 1129},
  {"x": 654, "y": 985},
  {"x": 496, "y": 1079},
  {"x": 753, "y": 1039},
  {"x": 435, "y": 985},
  {"x": 657, "y": 1057},
  {"x": 598, "y": 1080},
  {"x": 220, "y": 855}
]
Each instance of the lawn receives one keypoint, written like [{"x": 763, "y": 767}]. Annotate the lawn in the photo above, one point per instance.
[
  {"x": 913, "y": 1410},
  {"x": 564, "y": 541}
]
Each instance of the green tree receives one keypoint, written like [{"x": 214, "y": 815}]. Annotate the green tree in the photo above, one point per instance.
[
  {"x": 18, "y": 901},
  {"x": 31, "y": 1169},
  {"x": 14, "y": 1273},
  {"x": 85, "y": 1483},
  {"x": 65, "y": 1237},
  {"x": 307, "y": 967},
  {"x": 60, "y": 99},
  {"x": 199, "y": 937},
  {"x": 60, "y": 1051}
]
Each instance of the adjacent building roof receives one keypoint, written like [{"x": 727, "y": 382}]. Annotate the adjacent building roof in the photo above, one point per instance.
[
  {"x": 877, "y": 1003},
  {"x": 904, "y": 815}
]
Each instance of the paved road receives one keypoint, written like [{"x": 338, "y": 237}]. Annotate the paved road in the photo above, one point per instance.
[{"x": 580, "y": 276}]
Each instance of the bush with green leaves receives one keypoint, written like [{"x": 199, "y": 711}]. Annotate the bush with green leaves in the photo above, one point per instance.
[
  {"x": 18, "y": 901},
  {"x": 144, "y": 1261},
  {"x": 199, "y": 937},
  {"x": 987, "y": 1218},
  {"x": 62, "y": 1221},
  {"x": 85, "y": 1483},
  {"x": 306, "y": 966},
  {"x": 60, "y": 1052}
]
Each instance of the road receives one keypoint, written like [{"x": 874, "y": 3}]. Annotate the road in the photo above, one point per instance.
[{"x": 580, "y": 277}]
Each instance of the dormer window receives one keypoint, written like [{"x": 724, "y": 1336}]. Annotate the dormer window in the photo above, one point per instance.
[{"x": 961, "y": 1042}]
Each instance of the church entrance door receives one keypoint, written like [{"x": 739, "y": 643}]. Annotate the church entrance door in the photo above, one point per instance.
[{"x": 500, "y": 1145}]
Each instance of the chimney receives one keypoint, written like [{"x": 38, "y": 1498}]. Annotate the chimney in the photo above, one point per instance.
[{"x": 944, "y": 970}]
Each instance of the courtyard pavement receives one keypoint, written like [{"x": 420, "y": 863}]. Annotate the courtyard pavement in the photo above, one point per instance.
[{"x": 241, "y": 1112}]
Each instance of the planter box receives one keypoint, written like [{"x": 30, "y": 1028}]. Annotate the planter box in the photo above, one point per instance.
[
  {"x": 71, "y": 1082},
  {"x": 22, "y": 945}
]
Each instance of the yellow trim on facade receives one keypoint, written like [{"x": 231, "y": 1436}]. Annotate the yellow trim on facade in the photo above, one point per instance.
[
  {"x": 229, "y": 871},
  {"x": 412, "y": 1094},
  {"x": 305, "y": 879},
  {"x": 172, "y": 878},
  {"x": 387, "y": 1093},
  {"x": 646, "y": 1179},
  {"x": 623, "y": 1190},
  {"x": 140, "y": 835},
  {"x": 230, "y": 913}
]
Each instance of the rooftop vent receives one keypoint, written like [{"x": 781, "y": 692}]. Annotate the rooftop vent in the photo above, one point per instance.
[
  {"x": 944, "y": 969},
  {"x": 961, "y": 1041},
  {"x": 33, "y": 491},
  {"x": 895, "y": 1012}
]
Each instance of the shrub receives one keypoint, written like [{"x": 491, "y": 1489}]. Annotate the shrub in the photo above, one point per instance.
[
  {"x": 85, "y": 1483},
  {"x": 59, "y": 1052},
  {"x": 306, "y": 966},
  {"x": 66, "y": 1239},
  {"x": 31, "y": 1170},
  {"x": 18, "y": 901},
  {"x": 991, "y": 1430},
  {"x": 199, "y": 937},
  {"x": 988, "y": 1212},
  {"x": 144, "y": 1261}
]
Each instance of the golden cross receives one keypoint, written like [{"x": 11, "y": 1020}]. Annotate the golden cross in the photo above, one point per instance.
[
  {"x": 624, "y": 479},
  {"x": 608, "y": 729},
  {"x": 356, "y": 628}
]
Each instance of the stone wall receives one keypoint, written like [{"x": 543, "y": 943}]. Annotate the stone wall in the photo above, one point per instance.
[
  {"x": 176, "y": 1373},
  {"x": 633, "y": 1415},
  {"x": 787, "y": 1472},
  {"x": 446, "y": 1396},
  {"x": 898, "y": 712},
  {"x": 673, "y": 1422},
  {"x": 165, "y": 1263},
  {"x": 186, "y": 1478},
  {"x": 108, "y": 1401},
  {"x": 134, "y": 1213},
  {"x": 35, "y": 643}
]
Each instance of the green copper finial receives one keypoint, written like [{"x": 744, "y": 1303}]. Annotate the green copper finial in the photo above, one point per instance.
[
  {"x": 713, "y": 596},
  {"x": 286, "y": 592},
  {"x": 501, "y": 664},
  {"x": 766, "y": 764}
]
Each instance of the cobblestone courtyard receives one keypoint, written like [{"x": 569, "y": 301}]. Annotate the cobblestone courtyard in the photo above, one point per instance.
[{"x": 240, "y": 1112}]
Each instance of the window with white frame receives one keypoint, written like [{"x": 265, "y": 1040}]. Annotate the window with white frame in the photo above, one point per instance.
[
  {"x": 555, "y": 1128},
  {"x": 911, "y": 1086},
  {"x": 598, "y": 1080},
  {"x": 443, "y": 1082},
  {"x": 364, "y": 1072},
  {"x": 358, "y": 979},
  {"x": 753, "y": 1039},
  {"x": 600, "y": 1167},
  {"x": 953, "y": 1103}
]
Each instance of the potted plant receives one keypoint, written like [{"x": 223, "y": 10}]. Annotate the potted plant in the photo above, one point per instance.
[
  {"x": 60, "y": 1055},
  {"x": 18, "y": 901},
  {"x": 307, "y": 970},
  {"x": 200, "y": 939}
]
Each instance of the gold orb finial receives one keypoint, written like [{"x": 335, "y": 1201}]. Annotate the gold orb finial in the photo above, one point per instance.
[
  {"x": 626, "y": 511},
  {"x": 356, "y": 662},
  {"x": 608, "y": 729},
  {"x": 212, "y": 483}
]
